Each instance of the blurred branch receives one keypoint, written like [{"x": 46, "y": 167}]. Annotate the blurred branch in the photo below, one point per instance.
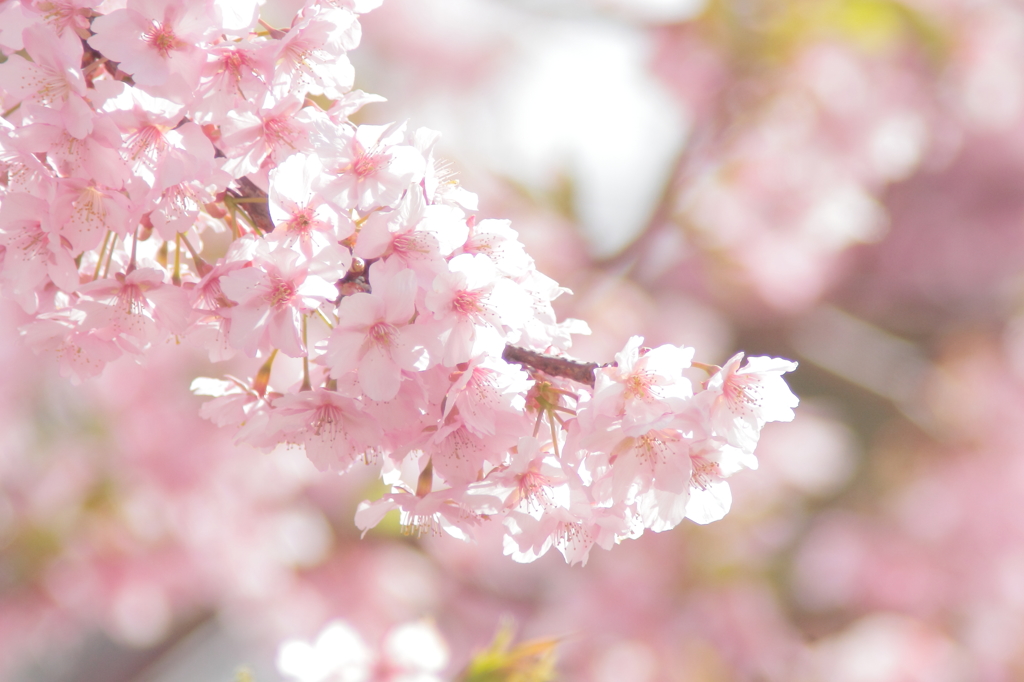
[{"x": 869, "y": 357}]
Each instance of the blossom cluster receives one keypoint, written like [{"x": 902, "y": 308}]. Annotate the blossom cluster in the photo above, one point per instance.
[{"x": 182, "y": 171}]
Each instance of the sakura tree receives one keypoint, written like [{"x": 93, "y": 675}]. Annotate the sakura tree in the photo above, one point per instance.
[{"x": 185, "y": 173}]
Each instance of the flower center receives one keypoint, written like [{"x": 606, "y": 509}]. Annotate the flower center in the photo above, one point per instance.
[
  {"x": 419, "y": 525},
  {"x": 211, "y": 296},
  {"x": 162, "y": 39},
  {"x": 638, "y": 386},
  {"x": 281, "y": 294},
  {"x": 327, "y": 421},
  {"x": 368, "y": 164},
  {"x": 131, "y": 299},
  {"x": 704, "y": 473},
  {"x": 382, "y": 334},
  {"x": 532, "y": 490},
  {"x": 52, "y": 87},
  {"x": 179, "y": 200},
  {"x": 571, "y": 534},
  {"x": 301, "y": 221},
  {"x": 277, "y": 130},
  {"x": 408, "y": 242},
  {"x": 740, "y": 390},
  {"x": 233, "y": 62},
  {"x": 651, "y": 449},
  {"x": 467, "y": 302},
  {"x": 147, "y": 141}
]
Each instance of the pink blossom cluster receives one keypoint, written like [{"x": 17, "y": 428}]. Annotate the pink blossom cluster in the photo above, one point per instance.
[{"x": 182, "y": 171}]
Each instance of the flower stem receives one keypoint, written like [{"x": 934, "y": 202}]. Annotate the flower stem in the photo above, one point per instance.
[
  {"x": 202, "y": 267},
  {"x": 99, "y": 261},
  {"x": 306, "y": 386},
  {"x": 176, "y": 275},
  {"x": 110, "y": 257},
  {"x": 135, "y": 244},
  {"x": 259, "y": 384}
]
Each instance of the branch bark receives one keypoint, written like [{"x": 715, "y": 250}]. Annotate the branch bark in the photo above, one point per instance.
[
  {"x": 553, "y": 365},
  {"x": 259, "y": 210}
]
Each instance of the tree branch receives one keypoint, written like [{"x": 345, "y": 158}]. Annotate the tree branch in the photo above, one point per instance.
[
  {"x": 580, "y": 372},
  {"x": 258, "y": 210}
]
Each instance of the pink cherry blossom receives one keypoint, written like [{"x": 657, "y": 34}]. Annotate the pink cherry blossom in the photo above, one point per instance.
[
  {"x": 429, "y": 514},
  {"x": 418, "y": 235},
  {"x": 135, "y": 308},
  {"x": 488, "y": 394},
  {"x": 459, "y": 455},
  {"x": 154, "y": 40},
  {"x": 235, "y": 77},
  {"x": 477, "y": 308},
  {"x": 743, "y": 399},
  {"x": 81, "y": 352},
  {"x": 53, "y": 78},
  {"x": 498, "y": 241},
  {"x": 373, "y": 167},
  {"x": 533, "y": 482},
  {"x": 34, "y": 253},
  {"x": 374, "y": 335},
  {"x": 66, "y": 15},
  {"x": 189, "y": 180},
  {"x": 643, "y": 385},
  {"x": 276, "y": 131},
  {"x": 84, "y": 212},
  {"x": 335, "y": 432},
  {"x": 272, "y": 296},
  {"x": 311, "y": 56},
  {"x": 94, "y": 157},
  {"x": 304, "y": 219}
]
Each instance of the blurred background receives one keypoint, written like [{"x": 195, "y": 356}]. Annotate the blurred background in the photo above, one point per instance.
[{"x": 840, "y": 182}]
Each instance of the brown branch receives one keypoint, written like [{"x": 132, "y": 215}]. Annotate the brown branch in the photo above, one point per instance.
[
  {"x": 553, "y": 365},
  {"x": 258, "y": 211}
]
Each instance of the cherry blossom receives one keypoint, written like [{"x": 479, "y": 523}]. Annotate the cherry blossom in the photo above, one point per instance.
[
  {"x": 372, "y": 167},
  {"x": 33, "y": 254},
  {"x": 184, "y": 173},
  {"x": 155, "y": 40},
  {"x": 311, "y": 56},
  {"x": 375, "y": 337},
  {"x": 276, "y": 131},
  {"x": 743, "y": 399},
  {"x": 303, "y": 218},
  {"x": 332, "y": 428},
  {"x": 134, "y": 308},
  {"x": 476, "y": 307},
  {"x": 234, "y": 77},
  {"x": 644, "y": 384},
  {"x": 52, "y": 78},
  {"x": 272, "y": 296},
  {"x": 418, "y": 235}
]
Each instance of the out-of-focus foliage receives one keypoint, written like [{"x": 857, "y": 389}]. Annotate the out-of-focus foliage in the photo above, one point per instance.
[{"x": 502, "y": 662}]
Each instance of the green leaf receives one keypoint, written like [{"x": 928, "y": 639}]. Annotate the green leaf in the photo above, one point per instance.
[{"x": 532, "y": 661}]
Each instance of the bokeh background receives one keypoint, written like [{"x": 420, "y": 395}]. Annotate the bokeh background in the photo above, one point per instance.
[{"x": 840, "y": 182}]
